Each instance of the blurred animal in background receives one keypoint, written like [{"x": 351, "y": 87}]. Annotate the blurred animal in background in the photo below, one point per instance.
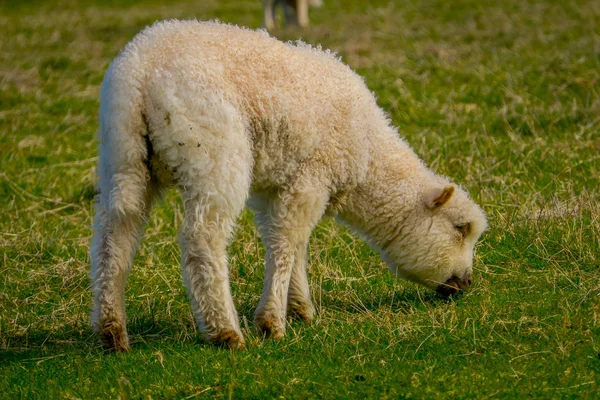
[{"x": 295, "y": 12}]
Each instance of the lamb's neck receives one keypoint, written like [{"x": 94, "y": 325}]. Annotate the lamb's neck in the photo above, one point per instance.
[{"x": 388, "y": 193}]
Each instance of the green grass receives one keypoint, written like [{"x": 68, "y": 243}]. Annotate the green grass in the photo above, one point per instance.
[{"x": 503, "y": 96}]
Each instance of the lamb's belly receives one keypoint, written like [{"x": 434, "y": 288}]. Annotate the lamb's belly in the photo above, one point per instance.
[
  {"x": 280, "y": 152},
  {"x": 274, "y": 170}
]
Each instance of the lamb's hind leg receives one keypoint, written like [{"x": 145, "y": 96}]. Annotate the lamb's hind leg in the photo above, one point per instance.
[
  {"x": 203, "y": 241},
  {"x": 213, "y": 200},
  {"x": 285, "y": 225},
  {"x": 117, "y": 232}
]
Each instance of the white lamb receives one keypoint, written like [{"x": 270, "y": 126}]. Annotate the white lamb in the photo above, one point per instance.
[{"x": 229, "y": 116}]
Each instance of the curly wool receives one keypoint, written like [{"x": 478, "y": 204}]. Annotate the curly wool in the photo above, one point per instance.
[{"x": 232, "y": 116}]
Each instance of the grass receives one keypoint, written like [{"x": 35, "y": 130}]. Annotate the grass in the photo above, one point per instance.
[{"x": 503, "y": 96}]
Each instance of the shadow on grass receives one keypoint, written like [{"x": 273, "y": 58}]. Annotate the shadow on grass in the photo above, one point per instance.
[
  {"x": 38, "y": 345},
  {"x": 146, "y": 332},
  {"x": 399, "y": 302}
]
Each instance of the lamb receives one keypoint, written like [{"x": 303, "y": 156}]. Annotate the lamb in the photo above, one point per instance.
[{"x": 231, "y": 117}]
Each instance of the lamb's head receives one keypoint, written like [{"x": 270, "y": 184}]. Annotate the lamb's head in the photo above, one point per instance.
[{"x": 434, "y": 244}]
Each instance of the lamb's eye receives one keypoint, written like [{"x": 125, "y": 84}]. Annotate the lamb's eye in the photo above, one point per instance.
[{"x": 464, "y": 229}]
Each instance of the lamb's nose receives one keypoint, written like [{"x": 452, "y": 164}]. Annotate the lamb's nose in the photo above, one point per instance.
[{"x": 454, "y": 285}]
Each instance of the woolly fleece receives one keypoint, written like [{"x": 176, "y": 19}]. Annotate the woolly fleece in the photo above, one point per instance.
[{"x": 232, "y": 117}]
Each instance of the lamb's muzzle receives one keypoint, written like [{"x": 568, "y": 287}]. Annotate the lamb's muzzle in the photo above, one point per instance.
[{"x": 454, "y": 285}]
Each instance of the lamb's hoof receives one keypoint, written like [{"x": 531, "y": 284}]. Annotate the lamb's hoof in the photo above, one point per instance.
[
  {"x": 301, "y": 310},
  {"x": 113, "y": 336},
  {"x": 229, "y": 339},
  {"x": 270, "y": 326}
]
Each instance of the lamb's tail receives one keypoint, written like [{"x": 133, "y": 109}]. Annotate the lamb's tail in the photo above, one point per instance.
[{"x": 123, "y": 174}]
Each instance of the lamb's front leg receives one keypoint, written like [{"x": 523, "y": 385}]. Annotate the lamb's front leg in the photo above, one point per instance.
[
  {"x": 299, "y": 300},
  {"x": 285, "y": 226}
]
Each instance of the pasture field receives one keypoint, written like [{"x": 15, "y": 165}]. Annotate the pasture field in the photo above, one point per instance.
[{"x": 503, "y": 96}]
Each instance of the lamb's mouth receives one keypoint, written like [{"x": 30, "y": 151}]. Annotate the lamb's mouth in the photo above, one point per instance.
[{"x": 454, "y": 285}]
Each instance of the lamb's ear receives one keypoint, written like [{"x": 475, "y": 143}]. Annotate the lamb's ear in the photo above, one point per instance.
[{"x": 438, "y": 197}]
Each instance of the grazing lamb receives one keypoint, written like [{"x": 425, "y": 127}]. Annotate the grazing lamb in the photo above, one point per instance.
[
  {"x": 295, "y": 12},
  {"x": 231, "y": 116}
]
